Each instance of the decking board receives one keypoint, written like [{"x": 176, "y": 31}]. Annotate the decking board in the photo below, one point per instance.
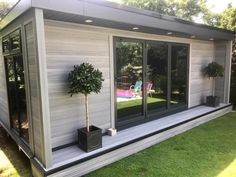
[{"x": 73, "y": 153}]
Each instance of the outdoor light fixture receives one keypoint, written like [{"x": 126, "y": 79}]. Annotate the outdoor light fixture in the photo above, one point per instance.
[
  {"x": 135, "y": 28},
  {"x": 88, "y": 21}
]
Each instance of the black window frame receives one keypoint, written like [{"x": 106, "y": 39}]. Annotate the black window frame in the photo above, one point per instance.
[
  {"x": 170, "y": 109},
  {"x": 11, "y": 54},
  {"x": 9, "y": 37}
]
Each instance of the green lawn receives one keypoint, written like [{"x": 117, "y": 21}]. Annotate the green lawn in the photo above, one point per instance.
[
  {"x": 13, "y": 163},
  {"x": 206, "y": 151}
]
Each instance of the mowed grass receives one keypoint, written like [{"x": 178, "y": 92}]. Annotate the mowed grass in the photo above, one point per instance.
[
  {"x": 13, "y": 163},
  {"x": 205, "y": 151}
]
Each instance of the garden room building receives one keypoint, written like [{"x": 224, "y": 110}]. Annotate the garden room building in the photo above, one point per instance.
[{"x": 153, "y": 84}]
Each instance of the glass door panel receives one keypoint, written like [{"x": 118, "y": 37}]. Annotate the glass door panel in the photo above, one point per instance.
[
  {"x": 16, "y": 95},
  {"x": 12, "y": 94},
  {"x": 21, "y": 97},
  {"x": 157, "y": 76},
  {"x": 129, "y": 80},
  {"x": 179, "y": 56}
]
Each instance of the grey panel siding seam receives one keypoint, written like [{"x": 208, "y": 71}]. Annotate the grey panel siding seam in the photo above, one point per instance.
[{"x": 46, "y": 173}]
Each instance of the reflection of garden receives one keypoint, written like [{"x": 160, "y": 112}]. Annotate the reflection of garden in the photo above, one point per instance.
[
  {"x": 129, "y": 77},
  {"x": 134, "y": 106}
]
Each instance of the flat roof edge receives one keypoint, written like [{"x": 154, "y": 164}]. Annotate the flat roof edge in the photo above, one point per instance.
[
  {"x": 79, "y": 6},
  {"x": 154, "y": 14}
]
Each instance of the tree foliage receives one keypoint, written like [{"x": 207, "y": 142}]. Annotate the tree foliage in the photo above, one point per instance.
[
  {"x": 186, "y": 9},
  {"x": 4, "y": 8},
  {"x": 85, "y": 79},
  {"x": 214, "y": 69}
]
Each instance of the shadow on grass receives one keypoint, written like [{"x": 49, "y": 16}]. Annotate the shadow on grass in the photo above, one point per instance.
[
  {"x": 12, "y": 161},
  {"x": 206, "y": 151}
]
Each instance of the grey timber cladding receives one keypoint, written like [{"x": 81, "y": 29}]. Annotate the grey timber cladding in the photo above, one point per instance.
[
  {"x": 201, "y": 54},
  {"x": 4, "y": 110},
  {"x": 66, "y": 47},
  {"x": 34, "y": 90},
  {"x": 220, "y": 57},
  {"x": 68, "y": 44}
]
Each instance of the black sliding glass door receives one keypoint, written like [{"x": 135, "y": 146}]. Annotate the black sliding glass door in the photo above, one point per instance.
[
  {"x": 179, "y": 55},
  {"x": 150, "y": 79},
  {"x": 157, "y": 77},
  {"x": 129, "y": 80},
  {"x": 16, "y": 95}
]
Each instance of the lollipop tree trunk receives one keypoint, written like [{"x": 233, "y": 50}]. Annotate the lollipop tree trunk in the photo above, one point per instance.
[
  {"x": 213, "y": 86},
  {"x": 87, "y": 112}
]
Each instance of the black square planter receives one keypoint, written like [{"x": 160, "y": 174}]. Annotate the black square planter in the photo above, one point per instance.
[
  {"x": 89, "y": 141},
  {"x": 213, "y": 101}
]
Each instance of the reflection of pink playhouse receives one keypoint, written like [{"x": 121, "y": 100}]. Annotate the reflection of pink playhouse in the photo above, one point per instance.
[
  {"x": 131, "y": 92},
  {"x": 124, "y": 93}
]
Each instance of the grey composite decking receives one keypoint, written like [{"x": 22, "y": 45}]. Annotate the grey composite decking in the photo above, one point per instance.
[{"x": 73, "y": 153}]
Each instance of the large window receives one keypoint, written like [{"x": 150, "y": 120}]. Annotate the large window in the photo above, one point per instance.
[
  {"x": 129, "y": 80},
  {"x": 150, "y": 79},
  {"x": 16, "y": 84}
]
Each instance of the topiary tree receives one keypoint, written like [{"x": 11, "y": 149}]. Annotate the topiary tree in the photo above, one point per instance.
[
  {"x": 85, "y": 79},
  {"x": 213, "y": 70}
]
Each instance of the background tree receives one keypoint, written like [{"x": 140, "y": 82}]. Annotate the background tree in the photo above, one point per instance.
[
  {"x": 186, "y": 9},
  {"x": 4, "y": 7}
]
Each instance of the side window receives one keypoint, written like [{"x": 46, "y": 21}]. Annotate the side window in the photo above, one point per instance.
[
  {"x": 6, "y": 45},
  {"x": 12, "y": 43}
]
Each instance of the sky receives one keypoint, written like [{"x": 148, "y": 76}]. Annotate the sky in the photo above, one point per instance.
[{"x": 219, "y": 5}]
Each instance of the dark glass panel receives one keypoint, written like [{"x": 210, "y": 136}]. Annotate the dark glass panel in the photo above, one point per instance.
[
  {"x": 157, "y": 71},
  {"x": 129, "y": 73},
  {"x": 15, "y": 41},
  {"x": 6, "y": 45},
  {"x": 12, "y": 94},
  {"x": 179, "y": 57},
  {"x": 21, "y": 97}
]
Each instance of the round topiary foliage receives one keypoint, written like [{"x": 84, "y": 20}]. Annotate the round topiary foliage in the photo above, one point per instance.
[
  {"x": 85, "y": 79},
  {"x": 214, "y": 70}
]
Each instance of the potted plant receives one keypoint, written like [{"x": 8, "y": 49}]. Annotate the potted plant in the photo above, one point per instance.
[
  {"x": 85, "y": 79},
  {"x": 213, "y": 70}
]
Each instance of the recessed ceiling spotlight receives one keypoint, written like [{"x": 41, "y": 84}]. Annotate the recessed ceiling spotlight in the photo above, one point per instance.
[
  {"x": 88, "y": 21},
  {"x": 135, "y": 28},
  {"x": 211, "y": 39},
  {"x": 169, "y": 33},
  {"x": 193, "y": 36}
]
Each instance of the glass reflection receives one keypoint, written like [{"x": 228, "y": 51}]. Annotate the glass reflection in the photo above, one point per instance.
[
  {"x": 129, "y": 82},
  {"x": 12, "y": 94},
  {"x": 16, "y": 95},
  {"x": 156, "y": 86},
  {"x": 179, "y": 75},
  {"x": 21, "y": 97}
]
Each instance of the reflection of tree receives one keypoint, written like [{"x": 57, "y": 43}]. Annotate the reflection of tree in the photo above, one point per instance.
[
  {"x": 178, "y": 70},
  {"x": 157, "y": 67},
  {"x": 129, "y": 60}
]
